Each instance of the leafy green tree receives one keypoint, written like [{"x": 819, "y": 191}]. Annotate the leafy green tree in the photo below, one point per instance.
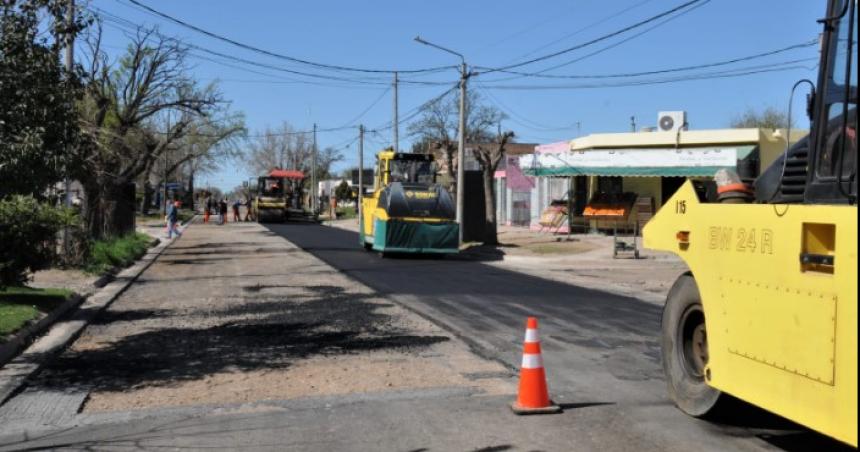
[
  {"x": 38, "y": 122},
  {"x": 342, "y": 192}
]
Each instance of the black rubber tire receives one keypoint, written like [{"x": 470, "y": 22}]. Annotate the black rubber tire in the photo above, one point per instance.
[
  {"x": 368, "y": 246},
  {"x": 689, "y": 391}
]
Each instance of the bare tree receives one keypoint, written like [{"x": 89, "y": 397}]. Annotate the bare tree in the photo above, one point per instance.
[
  {"x": 209, "y": 144},
  {"x": 489, "y": 156},
  {"x": 438, "y": 128},
  {"x": 134, "y": 110},
  {"x": 769, "y": 118},
  {"x": 285, "y": 148}
]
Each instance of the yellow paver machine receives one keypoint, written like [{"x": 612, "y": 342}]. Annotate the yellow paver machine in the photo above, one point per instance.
[
  {"x": 768, "y": 311},
  {"x": 274, "y": 194},
  {"x": 408, "y": 211}
]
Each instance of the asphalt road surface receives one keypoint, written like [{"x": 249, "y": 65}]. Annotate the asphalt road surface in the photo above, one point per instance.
[{"x": 601, "y": 350}]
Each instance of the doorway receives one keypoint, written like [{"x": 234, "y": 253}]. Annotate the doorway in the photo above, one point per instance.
[{"x": 668, "y": 187}]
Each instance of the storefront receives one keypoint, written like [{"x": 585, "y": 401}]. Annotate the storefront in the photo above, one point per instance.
[{"x": 650, "y": 166}]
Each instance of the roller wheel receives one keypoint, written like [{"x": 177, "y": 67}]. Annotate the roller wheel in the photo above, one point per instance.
[{"x": 685, "y": 350}]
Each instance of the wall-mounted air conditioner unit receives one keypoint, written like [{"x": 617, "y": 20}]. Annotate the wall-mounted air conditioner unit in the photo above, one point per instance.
[{"x": 672, "y": 121}]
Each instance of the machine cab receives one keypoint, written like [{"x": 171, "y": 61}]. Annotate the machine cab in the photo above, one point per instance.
[
  {"x": 832, "y": 177},
  {"x": 408, "y": 169},
  {"x": 270, "y": 186}
]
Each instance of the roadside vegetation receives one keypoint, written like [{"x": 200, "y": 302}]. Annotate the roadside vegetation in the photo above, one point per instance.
[
  {"x": 116, "y": 252},
  {"x": 19, "y": 305},
  {"x": 346, "y": 213},
  {"x": 116, "y": 125}
]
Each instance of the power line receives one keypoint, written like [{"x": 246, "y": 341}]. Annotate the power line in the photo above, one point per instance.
[
  {"x": 416, "y": 110},
  {"x": 373, "y": 104},
  {"x": 281, "y": 56},
  {"x": 780, "y": 67},
  {"x": 123, "y": 22},
  {"x": 664, "y": 71},
  {"x": 587, "y": 27},
  {"x": 616, "y": 44},
  {"x": 522, "y": 120},
  {"x": 596, "y": 40},
  {"x": 129, "y": 26}
]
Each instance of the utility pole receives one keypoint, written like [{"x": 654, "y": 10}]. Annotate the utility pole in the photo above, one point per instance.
[
  {"x": 461, "y": 136},
  {"x": 70, "y": 63},
  {"x": 395, "y": 125},
  {"x": 360, "y": 175},
  {"x": 314, "y": 190},
  {"x": 166, "y": 162},
  {"x": 461, "y": 151}
]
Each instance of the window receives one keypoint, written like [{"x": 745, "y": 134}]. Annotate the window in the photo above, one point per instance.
[
  {"x": 272, "y": 186},
  {"x": 839, "y": 143},
  {"x": 412, "y": 171}
]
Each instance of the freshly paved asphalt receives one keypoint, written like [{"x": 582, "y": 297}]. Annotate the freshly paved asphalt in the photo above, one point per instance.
[{"x": 601, "y": 350}]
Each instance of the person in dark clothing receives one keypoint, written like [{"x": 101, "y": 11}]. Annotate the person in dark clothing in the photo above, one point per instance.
[
  {"x": 207, "y": 209},
  {"x": 172, "y": 219},
  {"x": 248, "y": 205},
  {"x": 236, "y": 205},
  {"x": 222, "y": 210}
]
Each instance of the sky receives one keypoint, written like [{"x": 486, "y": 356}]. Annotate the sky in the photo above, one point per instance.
[{"x": 378, "y": 35}]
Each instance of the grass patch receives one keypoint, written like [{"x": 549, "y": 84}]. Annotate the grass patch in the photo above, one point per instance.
[
  {"x": 118, "y": 252},
  {"x": 19, "y": 305},
  {"x": 346, "y": 213}
]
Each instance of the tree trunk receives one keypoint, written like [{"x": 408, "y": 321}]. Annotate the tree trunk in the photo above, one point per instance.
[
  {"x": 146, "y": 202},
  {"x": 190, "y": 191},
  {"x": 491, "y": 232},
  {"x": 109, "y": 209}
]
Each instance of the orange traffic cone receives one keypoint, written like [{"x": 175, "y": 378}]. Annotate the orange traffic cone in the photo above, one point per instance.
[{"x": 533, "y": 397}]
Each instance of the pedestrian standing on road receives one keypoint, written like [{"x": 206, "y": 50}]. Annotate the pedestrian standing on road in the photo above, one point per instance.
[
  {"x": 207, "y": 209},
  {"x": 172, "y": 220},
  {"x": 248, "y": 204},
  {"x": 236, "y": 205},
  {"x": 222, "y": 210}
]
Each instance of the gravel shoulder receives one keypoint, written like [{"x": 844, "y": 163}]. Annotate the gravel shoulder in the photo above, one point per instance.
[{"x": 234, "y": 314}]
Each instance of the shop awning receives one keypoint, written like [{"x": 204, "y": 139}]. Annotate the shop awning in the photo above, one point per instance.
[
  {"x": 684, "y": 162},
  {"x": 689, "y": 171}
]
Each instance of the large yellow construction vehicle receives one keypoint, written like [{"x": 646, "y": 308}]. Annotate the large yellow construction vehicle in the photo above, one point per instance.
[
  {"x": 408, "y": 212},
  {"x": 274, "y": 195},
  {"x": 768, "y": 311}
]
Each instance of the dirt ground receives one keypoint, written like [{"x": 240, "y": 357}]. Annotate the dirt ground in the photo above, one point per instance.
[
  {"x": 234, "y": 314},
  {"x": 586, "y": 260}
]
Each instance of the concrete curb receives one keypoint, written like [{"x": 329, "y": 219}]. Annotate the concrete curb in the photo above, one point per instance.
[
  {"x": 14, "y": 374},
  {"x": 25, "y": 335}
]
